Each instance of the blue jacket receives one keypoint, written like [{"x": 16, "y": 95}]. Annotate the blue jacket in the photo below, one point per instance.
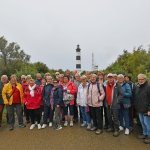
[
  {"x": 46, "y": 94},
  {"x": 58, "y": 96},
  {"x": 127, "y": 92},
  {"x": 38, "y": 82}
]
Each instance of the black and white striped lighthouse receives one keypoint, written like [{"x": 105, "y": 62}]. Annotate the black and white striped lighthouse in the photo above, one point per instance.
[{"x": 78, "y": 58}]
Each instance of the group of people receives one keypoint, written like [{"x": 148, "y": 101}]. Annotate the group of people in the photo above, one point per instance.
[{"x": 98, "y": 101}]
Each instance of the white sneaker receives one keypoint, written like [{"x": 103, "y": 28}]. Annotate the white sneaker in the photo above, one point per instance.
[
  {"x": 127, "y": 131},
  {"x": 32, "y": 126},
  {"x": 50, "y": 124},
  {"x": 39, "y": 126},
  {"x": 59, "y": 128},
  {"x": 88, "y": 127},
  {"x": 121, "y": 128},
  {"x": 83, "y": 124},
  {"x": 66, "y": 123},
  {"x": 44, "y": 126},
  {"x": 71, "y": 123}
]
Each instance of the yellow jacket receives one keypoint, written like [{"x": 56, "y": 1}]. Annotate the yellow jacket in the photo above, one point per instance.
[{"x": 7, "y": 90}]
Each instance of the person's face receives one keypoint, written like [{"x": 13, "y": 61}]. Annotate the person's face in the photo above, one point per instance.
[
  {"x": 120, "y": 80},
  {"x": 66, "y": 80},
  {"x": 77, "y": 77},
  {"x": 83, "y": 81},
  {"x": 38, "y": 77},
  {"x": 31, "y": 83},
  {"x": 13, "y": 80},
  {"x": 43, "y": 82},
  {"x": 68, "y": 73},
  {"x": 110, "y": 79},
  {"x": 93, "y": 79},
  {"x": 127, "y": 79},
  {"x": 4, "y": 80},
  {"x": 101, "y": 77},
  {"x": 61, "y": 79},
  {"x": 55, "y": 83},
  {"x": 49, "y": 80},
  {"x": 141, "y": 80}
]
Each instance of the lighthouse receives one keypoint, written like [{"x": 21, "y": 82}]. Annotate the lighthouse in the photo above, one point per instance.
[{"x": 78, "y": 58}]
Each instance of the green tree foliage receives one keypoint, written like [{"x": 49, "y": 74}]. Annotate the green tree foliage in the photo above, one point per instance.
[
  {"x": 12, "y": 58},
  {"x": 132, "y": 63}
]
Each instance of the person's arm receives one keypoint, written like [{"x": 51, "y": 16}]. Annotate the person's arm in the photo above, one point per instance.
[
  {"x": 102, "y": 96},
  {"x": 4, "y": 92},
  {"x": 148, "y": 113},
  {"x": 120, "y": 93}
]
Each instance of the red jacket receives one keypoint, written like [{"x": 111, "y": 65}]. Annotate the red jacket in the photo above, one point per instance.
[
  {"x": 33, "y": 102},
  {"x": 73, "y": 90}
]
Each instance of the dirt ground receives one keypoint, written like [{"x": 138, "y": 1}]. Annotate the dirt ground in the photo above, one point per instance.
[{"x": 69, "y": 138}]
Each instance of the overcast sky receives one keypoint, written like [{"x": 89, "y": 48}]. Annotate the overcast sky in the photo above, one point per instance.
[{"x": 49, "y": 30}]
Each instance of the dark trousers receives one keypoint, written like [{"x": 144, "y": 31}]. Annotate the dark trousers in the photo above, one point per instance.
[
  {"x": 35, "y": 115},
  {"x": 26, "y": 112},
  {"x": 97, "y": 116},
  {"x": 48, "y": 113},
  {"x": 1, "y": 112},
  {"x": 113, "y": 118},
  {"x": 11, "y": 113},
  {"x": 105, "y": 117}
]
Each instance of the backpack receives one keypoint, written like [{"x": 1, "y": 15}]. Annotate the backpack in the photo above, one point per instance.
[{"x": 98, "y": 87}]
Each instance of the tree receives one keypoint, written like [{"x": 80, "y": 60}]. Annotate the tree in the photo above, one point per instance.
[{"x": 11, "y": 56}]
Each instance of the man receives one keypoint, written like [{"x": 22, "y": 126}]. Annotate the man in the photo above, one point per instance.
[
  {"x": 114, "y": 94},
  {"x": 38, "y": 79},
  {"x": 13, "y": 98},
  {"x": 142, "y": 105},
  {"x": 4, "y": 80}
]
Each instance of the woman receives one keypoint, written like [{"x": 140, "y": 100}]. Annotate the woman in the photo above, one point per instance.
[
  {"x": 56, "y": 101},
  {"x": 69, "y": 92},
  {"x": 82, "y": 102},
  {"x": 32, "y": 99}
]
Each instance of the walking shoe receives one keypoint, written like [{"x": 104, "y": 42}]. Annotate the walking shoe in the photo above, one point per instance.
[
  {"x": 71, "y": 123},
  {"x": 83, "y": 124},
  {"x": 50, "y": 124},
  {"x": 11, "y": 128},
  {"x": 121, "y": 128},
  {"x": 127, "y": 131},
  {"x": 93, "y": 128},
  {"x": 116, "y": 134},
  {"x": 66, "y": 123},
  {"x": 22, "y": 126},
  {"x": 39, "y": 126},
  {"x": 44, "y": 126},
  {"x": 147, "y": 140},
  {"x": 109, "y": 130},
  {"x": 88, "y": 127},
  {"x": 142, "y": 136},
  {"x": 32, "y": 126},
  {"x": 59, "y": 127},
  {"x": 98, "y": 131}
]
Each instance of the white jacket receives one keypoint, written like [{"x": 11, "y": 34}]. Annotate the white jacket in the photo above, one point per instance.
[{"x": 82, "y": 95}]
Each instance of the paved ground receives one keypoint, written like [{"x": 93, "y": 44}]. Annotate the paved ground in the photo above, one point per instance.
[{"x": 69, "y": 138}]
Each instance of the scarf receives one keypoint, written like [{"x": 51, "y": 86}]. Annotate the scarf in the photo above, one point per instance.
[
  {"x": 32, "y": 90},
  {"x": 52, "y": 98}
]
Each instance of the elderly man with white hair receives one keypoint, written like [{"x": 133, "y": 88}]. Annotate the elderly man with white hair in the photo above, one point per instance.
[
  {"x": 142, "y": 105},
  {"x": 4, "y": 80}
]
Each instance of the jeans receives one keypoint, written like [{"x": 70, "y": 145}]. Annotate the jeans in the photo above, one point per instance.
[
  {"x": 35, "y": 115},
  {"x": 57, "y": 115},
  {"x": 97, "y": 116},
  {"x": 11, "y": 113},
  {"x": 113, "y": 118},
  {"x": 85, "y": 115},
  {"x": 145, "y": 122},
  {"x": 48, "y": 113},
  {"x": 124, "y": 117}
]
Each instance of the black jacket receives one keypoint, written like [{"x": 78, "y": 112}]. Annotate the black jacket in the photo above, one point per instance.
[
  {"x": 142, "y": 98},
  {"x": 1, "y": 88}
]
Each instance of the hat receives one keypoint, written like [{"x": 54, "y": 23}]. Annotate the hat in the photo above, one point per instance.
[
  {"x": 57, "y": 73},
  {"x": 110, "y": 75}
]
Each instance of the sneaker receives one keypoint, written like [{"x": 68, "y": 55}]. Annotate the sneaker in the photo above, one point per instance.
[
  {"x": 36, "y": 123},
  {"x": 127, "y": 131},
  {"x": 88, "y": 127},
  {"x": 142, "y": 136},
  {"x": 71, "y": 123},
  {"x": 32, "y": 126},
  {"x": 39, "y": 126},
  {"x": 98, "y": 131},
  {"x": 22, "y": 126},
  {"x": 44, "y": 126},
  {"x": 121, "y": 128},
  {"x": 93, "y": 128},
  {"x": 11, "y": 128},
  {"x": 59, "y": 127},
  {"x": 66, "y": 123},
  {"x": 83, "y": 124},
  {"x": 50, "y": 124},
  {"x": 116, "y": 134},
  {"x": 109, "y": 130},
  {"x": 147, "y": 140}
]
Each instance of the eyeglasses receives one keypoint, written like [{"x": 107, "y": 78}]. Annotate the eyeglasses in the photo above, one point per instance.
[{"x": 141, "y": 79}]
